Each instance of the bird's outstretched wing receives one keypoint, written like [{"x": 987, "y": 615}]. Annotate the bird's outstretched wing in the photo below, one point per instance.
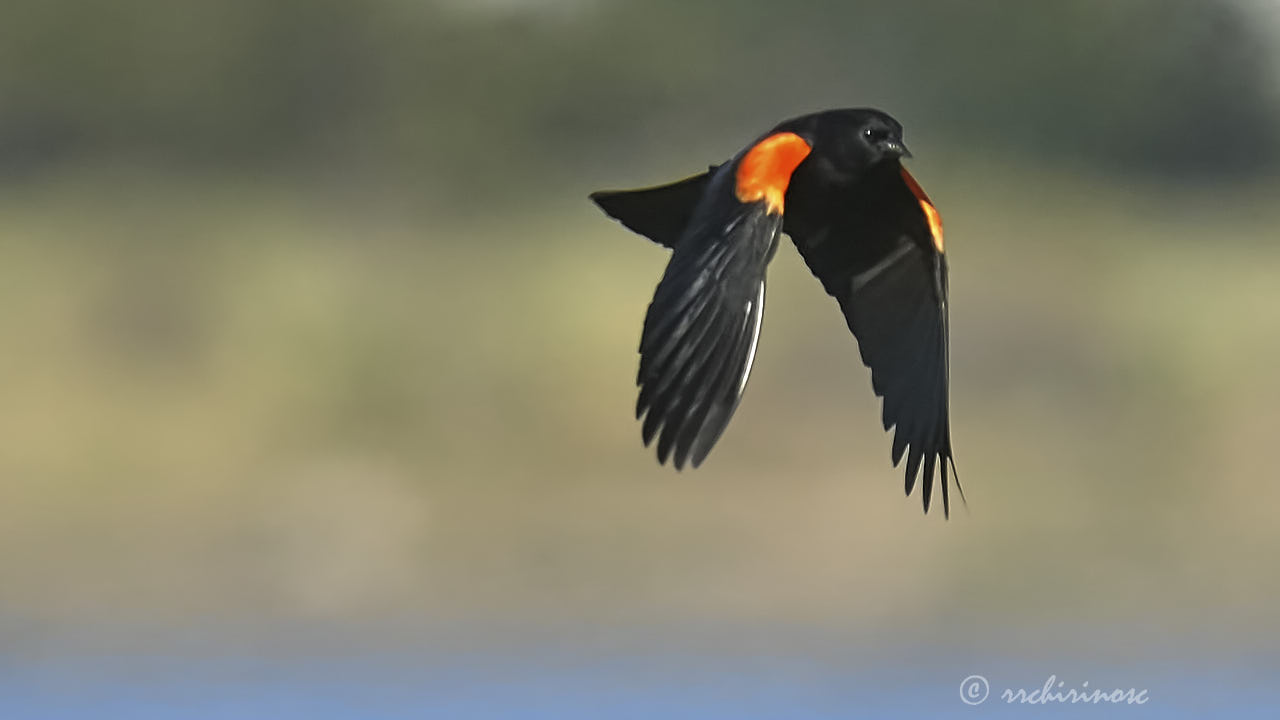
[
  {"x": 878, "y": 250},
  {"x": 701, "y": 330}
]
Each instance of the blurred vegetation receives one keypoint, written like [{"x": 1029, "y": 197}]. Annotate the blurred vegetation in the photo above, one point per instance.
[{"x": 496, "y": 99}]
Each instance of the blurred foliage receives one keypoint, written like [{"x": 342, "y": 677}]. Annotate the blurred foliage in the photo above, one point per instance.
[
  {"x": 494, "y": 100},
  {"x": 226, "y": 400}
]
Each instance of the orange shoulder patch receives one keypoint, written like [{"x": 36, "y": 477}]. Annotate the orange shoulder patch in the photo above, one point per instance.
[
  {"x": 931, "y": 215},
  {"x": 765, "y": 171}
]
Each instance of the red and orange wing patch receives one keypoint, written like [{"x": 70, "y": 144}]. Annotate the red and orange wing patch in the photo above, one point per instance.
[
  {"x": 765, "y": 171},
  {"x": 931, "y": 215}
]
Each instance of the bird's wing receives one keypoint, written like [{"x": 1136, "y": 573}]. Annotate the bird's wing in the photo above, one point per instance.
[
  {"x": 702, "y": 327},
  {"x": 877, "y": 248}
]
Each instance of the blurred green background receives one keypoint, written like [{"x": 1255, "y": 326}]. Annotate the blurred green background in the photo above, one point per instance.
[{"x": 313, "y": 344}]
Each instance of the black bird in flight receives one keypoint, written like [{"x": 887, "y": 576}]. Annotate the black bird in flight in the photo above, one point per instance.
[{"x": 833, "y": 181}]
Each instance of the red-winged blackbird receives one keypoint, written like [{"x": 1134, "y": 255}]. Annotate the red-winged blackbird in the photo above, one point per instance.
[{"x": 866, "y": 230}]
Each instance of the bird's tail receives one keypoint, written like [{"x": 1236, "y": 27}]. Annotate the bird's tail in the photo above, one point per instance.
[{"x": 659, "y": 213}]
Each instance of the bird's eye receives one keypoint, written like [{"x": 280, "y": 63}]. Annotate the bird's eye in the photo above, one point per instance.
[{"x": 875, "y": 134}]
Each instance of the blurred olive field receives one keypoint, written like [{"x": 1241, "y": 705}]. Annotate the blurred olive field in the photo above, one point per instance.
[{"x": 316, "y": 364}]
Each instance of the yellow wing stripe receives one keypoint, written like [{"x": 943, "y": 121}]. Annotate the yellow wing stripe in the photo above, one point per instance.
[{"x": 931, "y": 215}]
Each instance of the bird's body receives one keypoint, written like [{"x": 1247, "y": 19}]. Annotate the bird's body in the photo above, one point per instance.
[{"x": 834, "y": 183}]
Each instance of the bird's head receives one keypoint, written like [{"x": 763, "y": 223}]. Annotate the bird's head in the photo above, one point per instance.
[
  {"x": 880, "y": 138},
  {"x": 850, "y": 142}
]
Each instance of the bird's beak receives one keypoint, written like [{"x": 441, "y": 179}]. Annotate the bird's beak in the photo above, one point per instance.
[{"x": 897, "y": 148}]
